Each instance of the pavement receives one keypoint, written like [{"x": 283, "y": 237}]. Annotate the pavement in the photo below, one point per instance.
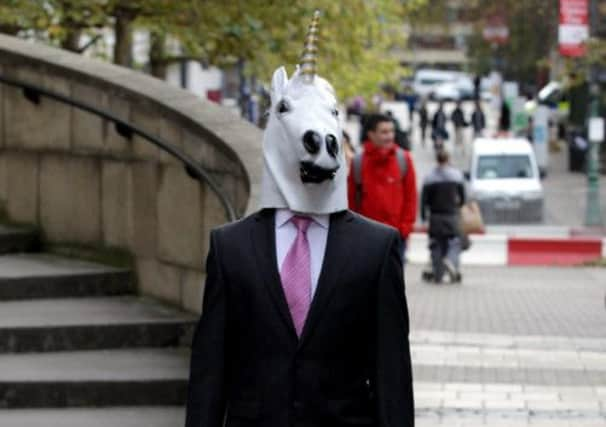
[{"x": 511, "y": 346}]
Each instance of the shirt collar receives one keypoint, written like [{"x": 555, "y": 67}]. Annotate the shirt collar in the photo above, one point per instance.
[{"x": 284, "y": 215}]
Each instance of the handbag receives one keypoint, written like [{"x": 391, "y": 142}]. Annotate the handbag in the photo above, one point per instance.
[{"x": 471, "y": 218}]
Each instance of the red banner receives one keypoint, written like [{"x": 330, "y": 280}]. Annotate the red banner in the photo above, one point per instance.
[{"x": 574, "y": 28}]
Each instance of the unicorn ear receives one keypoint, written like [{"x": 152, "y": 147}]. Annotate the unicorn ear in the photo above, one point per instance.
[{"x": 279, "y": 81}]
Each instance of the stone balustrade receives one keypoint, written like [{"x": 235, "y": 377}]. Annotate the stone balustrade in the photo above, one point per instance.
[{"x": 72, "y": 174}]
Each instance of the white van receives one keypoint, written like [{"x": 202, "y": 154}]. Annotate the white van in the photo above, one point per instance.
[
  {"x": 505, "y": 181},
  {"x": 426, "y": 80}
]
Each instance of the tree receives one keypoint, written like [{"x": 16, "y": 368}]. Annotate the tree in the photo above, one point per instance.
[{"x": 354, "y": 52}]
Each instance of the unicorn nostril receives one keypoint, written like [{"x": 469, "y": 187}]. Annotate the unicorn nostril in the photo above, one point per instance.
[
  {"x": 312, "y": 141},
  {"x": 332, "y": 145}
]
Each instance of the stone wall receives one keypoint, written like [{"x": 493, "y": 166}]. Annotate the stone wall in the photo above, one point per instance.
[{"x": 71, "y": 173}]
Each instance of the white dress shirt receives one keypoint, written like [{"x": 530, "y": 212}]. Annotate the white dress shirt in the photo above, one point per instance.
[{"x": 317, "y": 234}]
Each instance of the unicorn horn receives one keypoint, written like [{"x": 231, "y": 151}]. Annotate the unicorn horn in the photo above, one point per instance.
[{"x": 310, "y": 50}]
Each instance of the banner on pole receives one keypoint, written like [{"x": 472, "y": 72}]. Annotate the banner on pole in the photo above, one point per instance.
[{"x": 574, "y": 27}]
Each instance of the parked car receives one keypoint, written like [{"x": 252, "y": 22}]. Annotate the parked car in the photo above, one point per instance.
[
  {"x": 458, "y": 89},
  {"x": 425, "y": 80},
  {"x": 505, "y": 181}
]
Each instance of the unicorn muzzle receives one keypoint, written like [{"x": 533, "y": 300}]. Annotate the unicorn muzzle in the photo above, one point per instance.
[
  {"x": 319, "y": 171},
  {"x": 313, "y": 173}
]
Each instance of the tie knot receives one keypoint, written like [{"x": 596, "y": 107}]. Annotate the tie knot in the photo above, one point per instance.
[{"x": 301, "y": 222}]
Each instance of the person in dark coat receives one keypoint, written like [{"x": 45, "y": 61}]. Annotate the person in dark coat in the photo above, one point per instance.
[
  {"x": 478, "y": 120},
  {"x": 442, "y": 196},
  {"x": 304, "y": 320},
  {"x": 459, "y": 123},
  {"x": 439, "y": 134},
  {"x": 423, "y": 121},
  {"x": 505, "y": 118}
]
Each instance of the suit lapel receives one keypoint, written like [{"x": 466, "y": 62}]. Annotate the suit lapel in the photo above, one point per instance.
[
  {"x": 264, "y": 240},
  {"x": 335, "y": 257}
]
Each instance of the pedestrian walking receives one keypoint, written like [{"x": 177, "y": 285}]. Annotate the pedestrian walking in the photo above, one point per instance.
[
  {"x": 478, "y": 120},
  {"x": 459, "y": 123},
  {"x": 442, "y": 196},
  {"x": 439, "y": 134},
  {"x": 382, "y": 180},
  {"x": 304, "y": 318},
  {"x": 505, "y": 118},
  {"x": 400, "y": 136},
  {"x": 477, "y": 83},
  {"x": 423, "y": 121}
]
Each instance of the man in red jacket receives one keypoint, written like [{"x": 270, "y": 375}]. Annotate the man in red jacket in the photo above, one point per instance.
[{"x": 382, "y": 183}]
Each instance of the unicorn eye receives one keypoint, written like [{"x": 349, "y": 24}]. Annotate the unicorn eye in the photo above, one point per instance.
[
  {"x": 335, "y": 112},
  {"x": 283, "y": 107}
]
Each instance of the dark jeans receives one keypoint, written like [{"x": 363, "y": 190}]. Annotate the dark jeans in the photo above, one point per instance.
[{"x": 443, "y": 247}]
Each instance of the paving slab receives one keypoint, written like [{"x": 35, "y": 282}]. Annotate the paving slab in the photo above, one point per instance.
[{"x": 514, "y": 301}]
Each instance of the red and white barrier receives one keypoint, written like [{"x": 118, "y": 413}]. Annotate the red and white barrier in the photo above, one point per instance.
[{"x": 499, "y": 249}]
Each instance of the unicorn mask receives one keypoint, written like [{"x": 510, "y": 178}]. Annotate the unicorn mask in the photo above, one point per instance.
[{"x": 304, "y": 163}]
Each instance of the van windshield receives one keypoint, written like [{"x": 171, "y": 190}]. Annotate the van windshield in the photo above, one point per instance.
[{"x": 504, "y": 166}]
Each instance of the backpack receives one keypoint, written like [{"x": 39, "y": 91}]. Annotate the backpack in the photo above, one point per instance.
[{"x": 357, "y": 171}]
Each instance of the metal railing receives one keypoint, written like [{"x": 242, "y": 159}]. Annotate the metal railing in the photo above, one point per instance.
[{"x": 127, "y": 130}]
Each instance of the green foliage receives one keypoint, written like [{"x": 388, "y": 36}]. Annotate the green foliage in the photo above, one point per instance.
[
  {"x": 356, "y": 36},
  {"x": 532, "y": 37}
]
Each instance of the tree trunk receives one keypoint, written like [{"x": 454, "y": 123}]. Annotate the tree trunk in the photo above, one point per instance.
[
  {"x": 72, "y": 41},
  {"x": 157, "y": 55},
  {"x": 123, "y": 44}
]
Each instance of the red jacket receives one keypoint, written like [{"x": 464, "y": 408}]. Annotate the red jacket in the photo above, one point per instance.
[{"x": 386, "y": 197}]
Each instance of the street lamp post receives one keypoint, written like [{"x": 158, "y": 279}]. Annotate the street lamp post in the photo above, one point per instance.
[{"x": 593, "y": 216}]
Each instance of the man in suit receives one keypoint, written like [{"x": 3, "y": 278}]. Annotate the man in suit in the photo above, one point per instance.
[{"x": 304, "y": 320}]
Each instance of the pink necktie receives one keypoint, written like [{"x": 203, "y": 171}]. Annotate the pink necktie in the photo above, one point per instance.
[{"x": 296, "y": 274}]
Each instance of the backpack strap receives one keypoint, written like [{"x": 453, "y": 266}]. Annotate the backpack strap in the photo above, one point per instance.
[
  {"x": 402, "y": 163},
  {"x": 357, "y": 171}
]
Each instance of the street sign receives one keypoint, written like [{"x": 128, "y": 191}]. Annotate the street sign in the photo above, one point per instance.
[
  {"x": 495, "y": 29},
  {"x": 596, "y": 129},
  {"x": 574, "y": 28}
]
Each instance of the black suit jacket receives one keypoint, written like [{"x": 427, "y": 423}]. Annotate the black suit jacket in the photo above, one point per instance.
[{"x": 351, "y": 366}]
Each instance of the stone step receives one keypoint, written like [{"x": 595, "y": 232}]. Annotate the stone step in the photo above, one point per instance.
[
  {"x": 13, "y": 239},
  {"x": 91, "y": 323},
  {"x": 141, "y": 377},
  {"x": 27, "y": 276},
  {"x": 138, "y": 416}
]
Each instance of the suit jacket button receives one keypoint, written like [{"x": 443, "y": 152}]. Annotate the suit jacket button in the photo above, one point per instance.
[{"x": 297, "y": 404}]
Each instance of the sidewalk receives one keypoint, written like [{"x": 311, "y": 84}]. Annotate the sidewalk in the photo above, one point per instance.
[{"x": 510, "y": 347}]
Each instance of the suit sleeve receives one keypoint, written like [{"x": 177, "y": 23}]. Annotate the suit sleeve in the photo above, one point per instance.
[
  {"x": 395, "y": 403},
  {"x": 206, "y": 390},
  {"x": 351, "y": 189},
  {"x": 423, "y": 203},
  {"x": 408, "y": 215}
]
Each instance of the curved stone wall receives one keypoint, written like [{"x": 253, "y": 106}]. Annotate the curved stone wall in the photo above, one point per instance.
[{"x": 73, "y": 175}]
